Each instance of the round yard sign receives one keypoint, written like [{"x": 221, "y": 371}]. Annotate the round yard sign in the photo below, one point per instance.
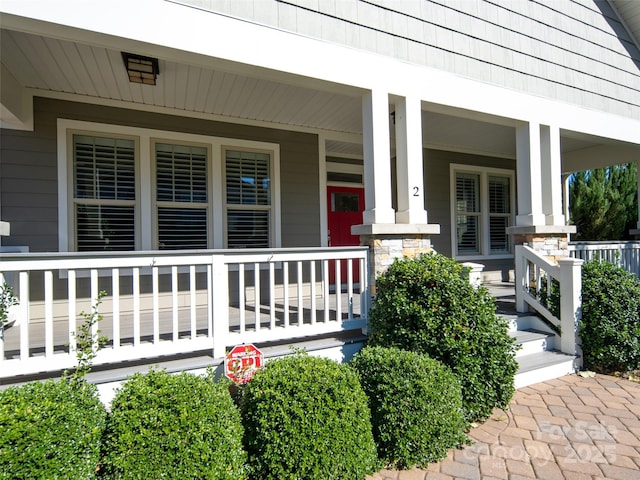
[{"x": 241, "y": 363}]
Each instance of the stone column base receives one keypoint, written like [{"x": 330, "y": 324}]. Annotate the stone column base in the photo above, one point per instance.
[
  {"x": 388, "y": 242},
  {"x": 635, "y": 233},
  {"x": 550, "y": 241}
]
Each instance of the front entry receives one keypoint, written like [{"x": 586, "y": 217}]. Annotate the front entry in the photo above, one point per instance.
[{"x": 344, "y": 206}]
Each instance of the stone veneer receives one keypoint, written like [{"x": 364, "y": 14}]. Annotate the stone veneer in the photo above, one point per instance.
[
  {"x": 550, "y": 241},
  {"x": 388, "y": 242}
]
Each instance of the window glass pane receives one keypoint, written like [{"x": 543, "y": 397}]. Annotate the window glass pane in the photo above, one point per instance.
[
  {"x": 344, "y": 177},
  {"x": 248, "y": 178},
  {"x": 499, "y": 195},
  {"x": 181, "y": 173},
  {"x": 467, "y": 192},
  {"x": 102, "y": 227},
  {"x": 182, "y": 228},
  {"x": 498, "y": 238},
  {"x": 104, "y": 168},
  {"x": 345, "y": 202},
  {"x": 467, "y": 234},
  {"x": 247, "y": 228}
]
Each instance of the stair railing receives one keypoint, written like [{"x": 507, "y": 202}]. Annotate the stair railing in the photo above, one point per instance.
[{"x": 551, "y": 290}]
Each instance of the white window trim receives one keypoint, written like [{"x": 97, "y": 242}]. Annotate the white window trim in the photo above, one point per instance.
[
  {"x": 484, "y": 172},
  {"x": 145, "y": 166}
]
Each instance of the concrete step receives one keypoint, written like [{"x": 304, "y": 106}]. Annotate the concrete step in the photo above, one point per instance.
[
  {"x": 533, "y": 341},
  {"x": 543, "y": 366}
]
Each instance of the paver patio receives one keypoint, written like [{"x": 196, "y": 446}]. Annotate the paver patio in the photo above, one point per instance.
[{"x": 571, "y": 428}]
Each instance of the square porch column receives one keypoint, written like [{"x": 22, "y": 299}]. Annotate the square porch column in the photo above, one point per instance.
[
  {"x": 377, "y": 158},
  {"x": 409, "y": 161},
  {"x": 551, "y": 175},
  {"x": 529, "y": 175}
]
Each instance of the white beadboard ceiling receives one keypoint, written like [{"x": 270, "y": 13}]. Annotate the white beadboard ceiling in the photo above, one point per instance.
[{"x": 53, "y": 65}]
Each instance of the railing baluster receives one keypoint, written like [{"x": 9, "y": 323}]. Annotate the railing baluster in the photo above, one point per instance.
[
  {"x": 48, "y": 313},
  {"x": 299, "y": 290},
  {"x": 136, "y": 306},
  {"x": 312, "y": 290},
  {"x": 338, "y": 290},
  {"x": 155, "y": 300},
  {"x": 350, "y": 289},
  {"x": 192, "y": 290},
  {"x": 272, "y": 296},
  {"x": 325, "y": 287},
  {"x": 26, "y": 318},
  {"x": 285, "y": 295},
  {"x": 241, "y": 299},
  {"x": 256, "y": 293},
  {"x": 71, "y": 302},
  {"x": 115, "y": 295},
  {"x": 175, "y": 328}
]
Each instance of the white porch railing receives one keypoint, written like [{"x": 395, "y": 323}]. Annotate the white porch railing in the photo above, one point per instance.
[
  {"x": 163, "y": 303},
  {"x": 538, "y": 279},
  {"x": 626, "y": 254}
]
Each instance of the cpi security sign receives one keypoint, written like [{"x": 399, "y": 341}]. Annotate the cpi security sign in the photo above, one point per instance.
[{"x": 242, "y": 362}]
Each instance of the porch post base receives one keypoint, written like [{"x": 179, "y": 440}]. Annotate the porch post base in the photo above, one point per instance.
[
  {"x": 390, "y": 241},
  {"x": 635, "y": 233},
  {"x": 550, "y": 241}
]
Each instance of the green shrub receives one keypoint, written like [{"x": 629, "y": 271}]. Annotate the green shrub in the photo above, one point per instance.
[
  {"x": 173, "y": 426},
  {"x": 416, "y": 405},
  {"x": 50, "y": 430},
  {"x": 427, "y": 305},
  {"x": 307, "y": 418},
  {"x": 610, "y": 325}
]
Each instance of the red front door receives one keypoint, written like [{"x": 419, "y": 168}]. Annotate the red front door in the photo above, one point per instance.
[{"x": 344, "y": 206}]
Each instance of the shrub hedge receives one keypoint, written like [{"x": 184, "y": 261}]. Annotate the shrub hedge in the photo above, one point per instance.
[
  {"x": 307, "y": 418},
  {"x": 427, "y": 305},
  {"x": 173, "y": 426},
  {"x": 416, "y": 405},
  {"x": 50, "y": 430},
  {"x": 610, "y": 325}
]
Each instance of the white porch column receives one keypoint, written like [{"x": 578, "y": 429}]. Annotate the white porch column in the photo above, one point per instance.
[
  {"x": 529, "y": 175},
  {"x": 409, "y": 162},
  {"x": 377, "y": 158},
  {"x": 638, "y": 172},
  {"x": 551, "y": 175}
]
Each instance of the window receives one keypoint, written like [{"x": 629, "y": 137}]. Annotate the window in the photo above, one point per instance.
[
  {"x": 248, "y": 199},
  {"x": 482, "y": 210},
  {"x": 128, "y": 188},
  {"x": 181, "y": 196},
  {"x": 104, "y": 194}
]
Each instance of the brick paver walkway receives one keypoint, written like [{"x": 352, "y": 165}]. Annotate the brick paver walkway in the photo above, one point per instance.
[{"x": 569, "y": 428}]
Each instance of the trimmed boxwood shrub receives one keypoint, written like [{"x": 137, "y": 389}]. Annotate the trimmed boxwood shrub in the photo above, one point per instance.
[
  {"x": 307, "y": 418},
  {"x": 610, "y": 325},
  {"x": 50, "y": 430},
  {"x": 416, "y": 405},
  {"x": 427, "y": 305},
  {"x": 173, "y": 426}
]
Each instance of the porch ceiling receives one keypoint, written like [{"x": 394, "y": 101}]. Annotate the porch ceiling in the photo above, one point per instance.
[{"x": 53, "y": 67}]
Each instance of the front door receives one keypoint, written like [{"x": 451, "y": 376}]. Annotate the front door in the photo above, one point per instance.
[{"x": 344, "y": 206}]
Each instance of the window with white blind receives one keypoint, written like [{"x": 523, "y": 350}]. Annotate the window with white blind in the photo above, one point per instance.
[
  {"x": 181, "y": 196},
  {"x": 482, "y": 209},
  {"x": 104, "y": 193},
  {"x": 128, "y": 188},
  {"x": 248, "y": 199}
]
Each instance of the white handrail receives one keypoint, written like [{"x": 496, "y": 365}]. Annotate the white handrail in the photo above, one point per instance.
[
  {"x": 624, "y": 253},
  {"x": 537, "y": 276},
  {"x": 161, "y": 303}
]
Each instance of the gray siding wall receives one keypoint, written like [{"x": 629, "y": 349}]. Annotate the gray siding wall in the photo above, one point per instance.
[
  {"x": 575, "y": 51},
  {"x": 438, "y": 188},
  {"x": 29, "y": 184}
]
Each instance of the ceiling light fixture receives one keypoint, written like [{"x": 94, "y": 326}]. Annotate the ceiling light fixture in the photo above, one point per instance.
[{"x": 141, "y": 69}]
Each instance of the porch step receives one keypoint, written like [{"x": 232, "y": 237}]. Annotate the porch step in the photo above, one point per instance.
[
  {"x": 543, "y": 366},
  {"x": 538, "y": 361}
]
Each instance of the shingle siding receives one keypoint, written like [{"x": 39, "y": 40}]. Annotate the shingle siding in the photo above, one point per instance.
[{"x": 574, "y": 50}]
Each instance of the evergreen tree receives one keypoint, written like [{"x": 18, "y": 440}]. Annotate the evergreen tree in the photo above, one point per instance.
[{"x": 603, "y": 203}]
